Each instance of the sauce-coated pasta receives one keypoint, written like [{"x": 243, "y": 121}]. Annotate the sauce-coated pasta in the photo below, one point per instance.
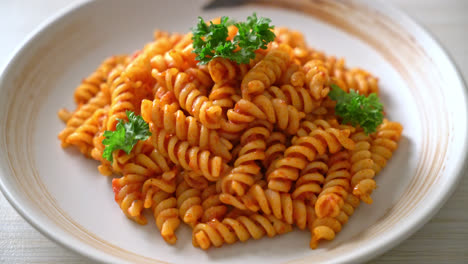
[{"x": 236, "y": 151}]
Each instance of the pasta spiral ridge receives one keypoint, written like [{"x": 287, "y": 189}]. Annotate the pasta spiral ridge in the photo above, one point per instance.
[
  {"x": 294, "y": 76},
  {"x": 306, "y": 126},
  {"x": 189, "y": 203},
  {"x": 213, "y": 208},
  {"x": 279, "y": 204},
  {"x": 266, "y": 72},
  {"x": 275, "y": 147},
  {"x": 195, "y": 180},
  {"x": 242, "y": 176},
  {"x": 242, "y": 228},
  {"x": 309, "y": 184},
  {"x": 201, "y": 78},
  {"x": 105, "y": 167},
  {"x": 304, "y": 149},
  {"x": 139, "y": 68},
  {"x": 126, "y": 95},
  {"x": 276, "y": 111},
  {"x": 358, "y": 80},
  {"x": 165, "y": 182},
  {"x": 362, "y": 169},
  {"x": 224, "y": 70},
  {"x": 149, "y": 162},
  {"x": 91, "y": 85},
  {"x": 224, "y": 95},
  {"x": 190, "y": 98},
  {"x": 170, "y": 118},
  {"x": 317, "y": 78},
  {"x": 300, "y": 98},
  {"x": 312, "y": 122},
  {"x": 188, "y": 157},
  {"x": 122, "y": 98},
  {"x": 83, "y": 113},
  {"x": 384, "y": 143},
  {"x": 83, "y": 136},
  {"x": 166, "y": 215},
  {"x": 182, "y": 59},
  {"x": 290, "y": 37},
  {"x": 64, "y": 114},
  {"x": 326, "y": 228},
  {"x": 127, "y": 190},
  {"x": 336, "y": 187}
]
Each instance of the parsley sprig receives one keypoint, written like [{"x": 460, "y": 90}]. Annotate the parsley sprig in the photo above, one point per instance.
[
  {"x": 125, "y": 136},
  {"x": 210, "y": 41},
  {"x": 356, "y": 109}
]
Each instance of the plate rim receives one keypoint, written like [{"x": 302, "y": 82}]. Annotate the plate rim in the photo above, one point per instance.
[{"x": 371, "y": 251}]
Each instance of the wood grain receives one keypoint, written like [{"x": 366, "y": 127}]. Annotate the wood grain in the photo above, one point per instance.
[{"x": 443, "y": 240}]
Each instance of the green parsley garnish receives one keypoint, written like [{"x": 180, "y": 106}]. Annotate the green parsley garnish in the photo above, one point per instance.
[
  {"x": 125, "y": 136},
  {"x": 356, "y": 109},
  {"x": 210, "y": 41}
]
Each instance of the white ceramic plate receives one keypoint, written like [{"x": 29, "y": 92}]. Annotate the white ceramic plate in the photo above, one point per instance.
[{"x": 62, "y": 194}]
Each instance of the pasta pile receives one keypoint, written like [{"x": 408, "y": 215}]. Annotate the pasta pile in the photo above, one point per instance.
[{"x": 236, "y": 151}]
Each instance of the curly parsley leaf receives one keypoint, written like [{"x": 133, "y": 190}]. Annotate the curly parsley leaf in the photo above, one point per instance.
[
  {"x": 356, "y": 109},
  {"x": 125, "y": 136},
  {"x": 210, "y": 41}
]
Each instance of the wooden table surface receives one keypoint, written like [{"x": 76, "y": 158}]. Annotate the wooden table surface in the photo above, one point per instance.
[{"x": 444, "y": 239}]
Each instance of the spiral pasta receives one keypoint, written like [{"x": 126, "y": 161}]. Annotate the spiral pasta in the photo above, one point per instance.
[
  {"x": 83, "y": 113},
  {"x": 275, "y": 147},
  {"x": 64, "y": 114},
  {"x": 242, "y": 228},
  {"x": 317, "y": 78},
  {"x": 294, "y": 76},
  {"x": 126, "y": 95},
  {"x": 83, "y": 136},
  {"x": 223, "y": 70},
  {"x": 270, "y": 202},
  {"x": 306, "y": 126},
  {"x": 180, "y": 57},
  {"x": 347, "y": 79},
  {"x": 91, "y": 85},
  {"x": 166, "y": 215},
  {"x": 384, "y": 142},
  {"x": 266, "y": 72},
  {"x": 305, "y": 149},
  {"x": 97, "y": 151},
  {"x": 276, "y": 111},
  {"x": 127, "y": 190},
  {"x": 195, "y": 180},
  {"x": 357, "y": 79},
  {"x": 189, "y": 158},
  {"x": 224, "y": 95},
  {"x": 165, "y": 182},
  {"x": 309, "y": 184},
  {"x": 293, "y": 38},
  {"x": 189, "y": 203},
  {"x": 213, "y": 208},
  {"x": 336, "y": 186},
  {"x": 139, "y": 69},
  {"x": 362, "y": 170},
  {"x": 235, "y": 151},
  {"x": 170, "y": 118},
  {"x": 300, "y": 98},
  {"x": 326, "y": 228},
  {"x": 245, "y": 168},
  {"x": 190, "y": 98}
]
